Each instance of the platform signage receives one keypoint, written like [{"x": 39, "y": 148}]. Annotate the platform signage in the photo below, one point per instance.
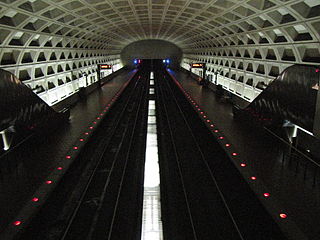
[
  {"x": 198, "y": 65},
  {"x": 104, "y": 70},
  {"x": 105, "y": 66}
]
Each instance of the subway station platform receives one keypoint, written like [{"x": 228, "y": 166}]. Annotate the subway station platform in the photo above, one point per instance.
[
  {"x": 288, "y": 189},
  {"x": 25, "y": 168}
]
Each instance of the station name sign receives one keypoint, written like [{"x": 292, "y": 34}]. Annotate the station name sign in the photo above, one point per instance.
[
  {"x": 105, "y": 66},
  {"x": 198, "y": 65}
]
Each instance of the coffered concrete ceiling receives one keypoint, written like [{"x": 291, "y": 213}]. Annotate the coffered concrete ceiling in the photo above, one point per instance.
[
  {"x": 112, "y": 24},
  {"x": 38, "y": 36}
]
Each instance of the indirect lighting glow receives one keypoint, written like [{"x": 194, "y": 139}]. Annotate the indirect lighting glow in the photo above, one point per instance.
[
  {"x": 304, "y": 130},
  {"x": 151, "y": 216}
]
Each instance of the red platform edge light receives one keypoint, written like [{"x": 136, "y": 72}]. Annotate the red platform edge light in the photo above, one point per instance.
[
  {"x": 283, "y": 215},
  {"x": 266, "y": 194},
  {"x": 48, "y": 182},
  {"x": 68, "y": 157},
  {"x": 35, "y": 199},
  {"x": 253, "y": 178},
  {"x": 243, "y": 165},
  {"x": 17, "y": 223}
]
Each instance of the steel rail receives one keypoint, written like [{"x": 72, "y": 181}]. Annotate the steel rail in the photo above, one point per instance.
[
  {"x": 114, "y": 131},
  {"x": 140, "y": 109},
  {"x": 204, "y": 161},
  {"x": 177, "y": 161}
]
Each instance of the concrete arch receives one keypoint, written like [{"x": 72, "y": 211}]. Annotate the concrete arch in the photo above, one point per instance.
[
  {"x": 151, "y": 49},
  {"x": 284, "y": 32}
]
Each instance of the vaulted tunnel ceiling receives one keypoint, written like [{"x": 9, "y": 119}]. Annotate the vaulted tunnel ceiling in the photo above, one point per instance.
[
  {"x": 111, "y": 24},
  {"x": 44, "y": 41}
]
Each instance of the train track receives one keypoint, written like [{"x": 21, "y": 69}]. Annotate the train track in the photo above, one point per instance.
[
  {"x": 203, "y": 194},
  {"x": 103, "y": 190}
]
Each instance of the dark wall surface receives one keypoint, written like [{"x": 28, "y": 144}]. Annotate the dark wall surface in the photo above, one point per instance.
[{"x": 151, "y": 49}]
